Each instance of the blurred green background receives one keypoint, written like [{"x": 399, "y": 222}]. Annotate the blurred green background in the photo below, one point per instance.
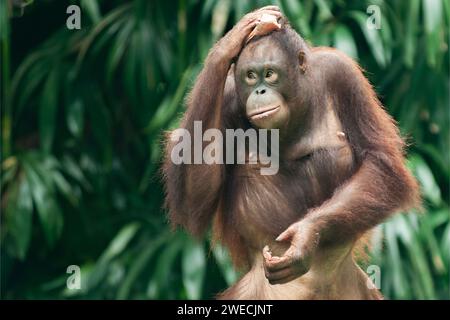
[{"x": 83, "y": 112}]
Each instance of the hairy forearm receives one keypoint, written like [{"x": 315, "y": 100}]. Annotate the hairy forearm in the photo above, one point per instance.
[
  {"x": 193, "y": 188},
  {"x": 206, "y": 97},
  {"x": 380, "y": 187}
]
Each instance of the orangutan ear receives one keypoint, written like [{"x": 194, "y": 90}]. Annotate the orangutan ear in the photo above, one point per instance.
[{"x": 302, "y": 61}]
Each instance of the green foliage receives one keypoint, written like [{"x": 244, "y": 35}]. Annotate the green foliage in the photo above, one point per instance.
[{"x": 84, "y": 112}]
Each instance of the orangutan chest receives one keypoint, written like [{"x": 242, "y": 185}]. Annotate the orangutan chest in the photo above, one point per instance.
[{"x": 269, "y": 204}]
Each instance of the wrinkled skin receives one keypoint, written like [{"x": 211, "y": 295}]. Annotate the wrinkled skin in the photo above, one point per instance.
[{"x": 262, "y": 85}]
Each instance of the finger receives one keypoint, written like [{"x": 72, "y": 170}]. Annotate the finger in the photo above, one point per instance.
[
  {"x": 251, "y": 35},
  {"x": 251, "y": 21},
  {"x": 290, "y": 256},
  {"x": 280, "y": 274},
  {"x": 253, "y": 25},
  {"x": 266, "y": 253},
  {"x": 270, "y": 12},
  {"x": 286, "y": 234},
  {"x": 258, "y": 14},
  {"x": 287, "y": 279},
  {"x": 249, "y": 29},
  {"x": 276, "y": 8},
  {"x": 278, "y": 263}
]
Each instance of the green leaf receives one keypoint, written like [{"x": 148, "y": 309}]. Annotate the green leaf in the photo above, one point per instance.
[
  {"x": 432, "y": 244},
  {"x": 220, "y": 16},
  {"x": 445, "y": 245},
  {"x": 115, "y": 248},
  {"x": 426, "y": 179},
  {"x": 224, "y": 261},
  {"x": 194, "y": 269},
  {"x": 400, "y": 283},
  {"x": 386, "y": 37},
  {"x": 75, "y": 119},
  {"x": 92, "y": 9},
  {"x": 117, "y": 51},
  {"x": 45, "y": 201},
  {"x": 9, "y": 170},
  {"x": 418, "y": 258},
  {"x": 164, "y": 266},
  {"x": 73, "y": 170},
  {"x": 4, "y": 21},
  {"x": 101, "y": 123},
  {"x": 324, "y": 10},
  {"x": 105, "y": 36},
  {"x": 139, "y": 264},
  {"x": 412, "y": 23},
  {"x": 48, "y": 109},
  {"x": 438, "y": 158},
  {"x": 19, "y": 217},
  {"x": 64, "y": 187},
  {"x": 120, "y": 241},
  {"x": 27, "y": 79},
  {"x": 432, "y": 10},
  {"x": 130, "y": 72},
  {"x": 170, "y": 105},
  {"x": 343, "y": 40},
  {"x": 114, "y": 15},
  {"x": 373, "y": 37}
]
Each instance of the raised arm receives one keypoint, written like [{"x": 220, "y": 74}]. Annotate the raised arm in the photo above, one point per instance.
[{"x": 194, "y": 190}]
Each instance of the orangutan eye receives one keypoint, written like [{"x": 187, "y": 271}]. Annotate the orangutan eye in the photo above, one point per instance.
[
  {"x": 271, "y": 76},
  {"x": 251, "y": 78},
  {"x": 251, "y": 75}
]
